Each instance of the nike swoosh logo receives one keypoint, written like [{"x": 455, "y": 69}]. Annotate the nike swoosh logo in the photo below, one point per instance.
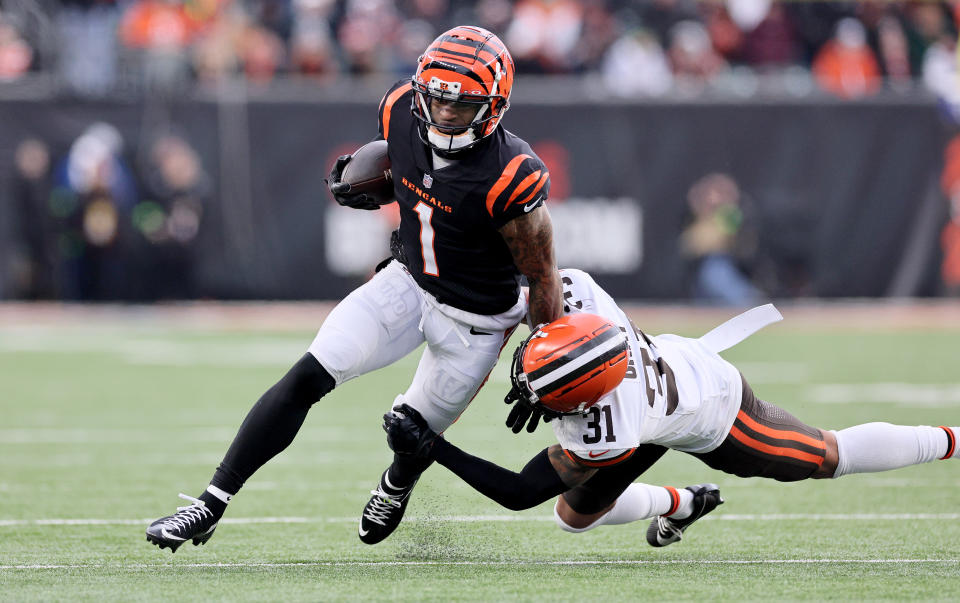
[
  {"x": 532, "y": 204},
  {"x": 474, "y": 331},
  {"x": 363, "y": 532},
  {"x": 167, "y": 534},
  {"x": 601, "y": 453}
]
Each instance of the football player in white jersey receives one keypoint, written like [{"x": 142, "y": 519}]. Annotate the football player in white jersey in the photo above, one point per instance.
[{"x": 611, "y": 390}]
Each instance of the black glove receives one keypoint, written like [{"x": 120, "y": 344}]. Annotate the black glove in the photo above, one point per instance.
[
  {"x": 408, "y": 432},
  {"x": 521, "y": 411},
  {"x": 341, "y": 190}
]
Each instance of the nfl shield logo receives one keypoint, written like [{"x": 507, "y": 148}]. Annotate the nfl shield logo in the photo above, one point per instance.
[{"x": 427, "y": 180}]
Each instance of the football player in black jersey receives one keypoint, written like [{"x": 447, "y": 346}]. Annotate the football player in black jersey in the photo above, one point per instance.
[{"x": 473, "y": 220}]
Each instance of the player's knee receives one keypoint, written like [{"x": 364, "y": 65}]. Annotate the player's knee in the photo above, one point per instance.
[
  {"x": 305, "y": 383},
  {"x": 569, "y": 520}
]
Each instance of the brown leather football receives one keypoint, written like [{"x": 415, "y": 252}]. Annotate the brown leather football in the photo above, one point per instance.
[{"x": 369, "y": 172}]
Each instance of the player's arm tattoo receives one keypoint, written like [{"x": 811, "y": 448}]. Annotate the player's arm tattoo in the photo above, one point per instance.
[
  {"x": 530, "y": 240},
  {"x": 571, "y": 473}
]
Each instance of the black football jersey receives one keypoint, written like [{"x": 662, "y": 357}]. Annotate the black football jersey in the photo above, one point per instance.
[{"x": 449, "y": 217}]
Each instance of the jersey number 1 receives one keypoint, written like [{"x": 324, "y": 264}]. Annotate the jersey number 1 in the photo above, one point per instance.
[{"x": 426, "y": 239}]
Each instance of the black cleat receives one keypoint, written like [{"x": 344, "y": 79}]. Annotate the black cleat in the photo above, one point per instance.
[
  {"x": 383, "y": 513},
  {"x": 665, "y": 530},
  {"x": 194, "y": 521}
]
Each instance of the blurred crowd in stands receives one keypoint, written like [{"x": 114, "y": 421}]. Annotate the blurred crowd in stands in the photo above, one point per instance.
[
  {"x": 100, "y": 221},
  {"x": 637, "y": 48},
  {"x": 89, "y": 213}
]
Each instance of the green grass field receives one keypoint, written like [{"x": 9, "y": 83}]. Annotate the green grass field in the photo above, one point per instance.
[{"x": 102, "y": 424}]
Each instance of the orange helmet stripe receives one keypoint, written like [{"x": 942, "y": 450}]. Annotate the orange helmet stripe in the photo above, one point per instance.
[
  {"x": 505, "y": 178},
  {"x": 388, "y": 102}
]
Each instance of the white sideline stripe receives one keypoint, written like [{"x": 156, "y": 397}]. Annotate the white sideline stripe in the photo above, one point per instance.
[
  {"x": 586, "y": 562},
  {"x": 494, "y": 518},
  {"x": 934, "y": 395}
]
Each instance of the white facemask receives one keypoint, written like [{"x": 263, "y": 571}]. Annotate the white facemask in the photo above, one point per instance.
[{"x": 450, "y": 141}]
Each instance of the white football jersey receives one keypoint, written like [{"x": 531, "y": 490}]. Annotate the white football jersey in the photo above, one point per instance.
[{"x": 676, "y": 392}]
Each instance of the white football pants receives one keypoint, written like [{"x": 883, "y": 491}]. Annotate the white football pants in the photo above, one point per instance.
[{"x": 390, "y": 316}]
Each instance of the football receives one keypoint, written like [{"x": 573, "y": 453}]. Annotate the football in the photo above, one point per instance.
[{"x": 369, "y": 172}]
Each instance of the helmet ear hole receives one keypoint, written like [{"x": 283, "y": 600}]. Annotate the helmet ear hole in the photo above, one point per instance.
[{"x": 571, "y": 363}]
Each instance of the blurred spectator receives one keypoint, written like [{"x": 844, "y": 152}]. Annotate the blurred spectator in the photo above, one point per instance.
[
  {"x": 16, "y": 55},
  {"x": 366, "y": 35},
  {"x": 543, "y": 35},
  {"x": 35, "y": 248},
  {"x": 169, "y": 43},
  {"x": 281, "y": 16},
  {"x": 175, "y": 189},
  {"x": 92, "y": 197},
  {"x": 950, "y": 244},
  {"x": 491, "y": 14},
  {"x": 692, "y": 58},
  {"x": 261, "y": 53},
  {"x": 312, "y": 46},
  {"x": 771, "y": 42},
  {"x": 88, "y": 45},
  {"x": 940, "y": 69},
  {"x": 660, "y": 16},
  {"x": 160, "y": 30},
  {"x": 717, "y": 242},
  {"x": 598, "y": 32},
  {"x": 725, "y": 35},
  {"x": 894, "y": 53},
  {"x": 215, "y": 56},
  {"x": 928, "y": 22},
  {"x": 950, "y": 235},
  {"x": 636, "y": 66},
  {"x": 846, "y": 66},
  {"x": 415, "y": 35}
]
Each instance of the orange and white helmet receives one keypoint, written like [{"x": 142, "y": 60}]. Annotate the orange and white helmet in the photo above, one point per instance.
[
  {"x": 565, "y": 366},
  {"x": 466, "y": 65}
]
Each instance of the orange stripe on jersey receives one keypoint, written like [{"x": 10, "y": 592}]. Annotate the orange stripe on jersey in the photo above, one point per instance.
[
  {"x": 778, "y": 434},
  {"x": 774, "y": 450},
  {"x": 951, "y": 443},
  {"x": 523, "y": 186},
  {"x": 388, "y": 106},
  {"x": 536, "y": 189},
  {"x": 603, "y": 463},
  {"x": 505, "y": 178}
]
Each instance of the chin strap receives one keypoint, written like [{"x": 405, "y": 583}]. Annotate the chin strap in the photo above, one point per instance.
[{"x": 451, "y": 142}]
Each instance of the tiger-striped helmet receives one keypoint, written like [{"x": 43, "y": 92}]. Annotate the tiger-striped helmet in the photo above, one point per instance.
[
  {"x": 464, "y": 65},
  {"x": 567, "y": 365}
]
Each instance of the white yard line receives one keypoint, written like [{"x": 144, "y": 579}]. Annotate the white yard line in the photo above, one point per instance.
[
  {"x": 495, "y": 518},
  {"x": 585, "y": 562}
]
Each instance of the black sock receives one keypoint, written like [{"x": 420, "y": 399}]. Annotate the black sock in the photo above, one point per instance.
[
  {"x": 406, "y": 469},
  {"x": 213, "y": 503},
  {"x": 271, "y": 424}
]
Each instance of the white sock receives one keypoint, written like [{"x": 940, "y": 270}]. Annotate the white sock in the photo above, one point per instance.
[
  {"x": 639, "y": 501},
  {"x": 875, "y": 447}
]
